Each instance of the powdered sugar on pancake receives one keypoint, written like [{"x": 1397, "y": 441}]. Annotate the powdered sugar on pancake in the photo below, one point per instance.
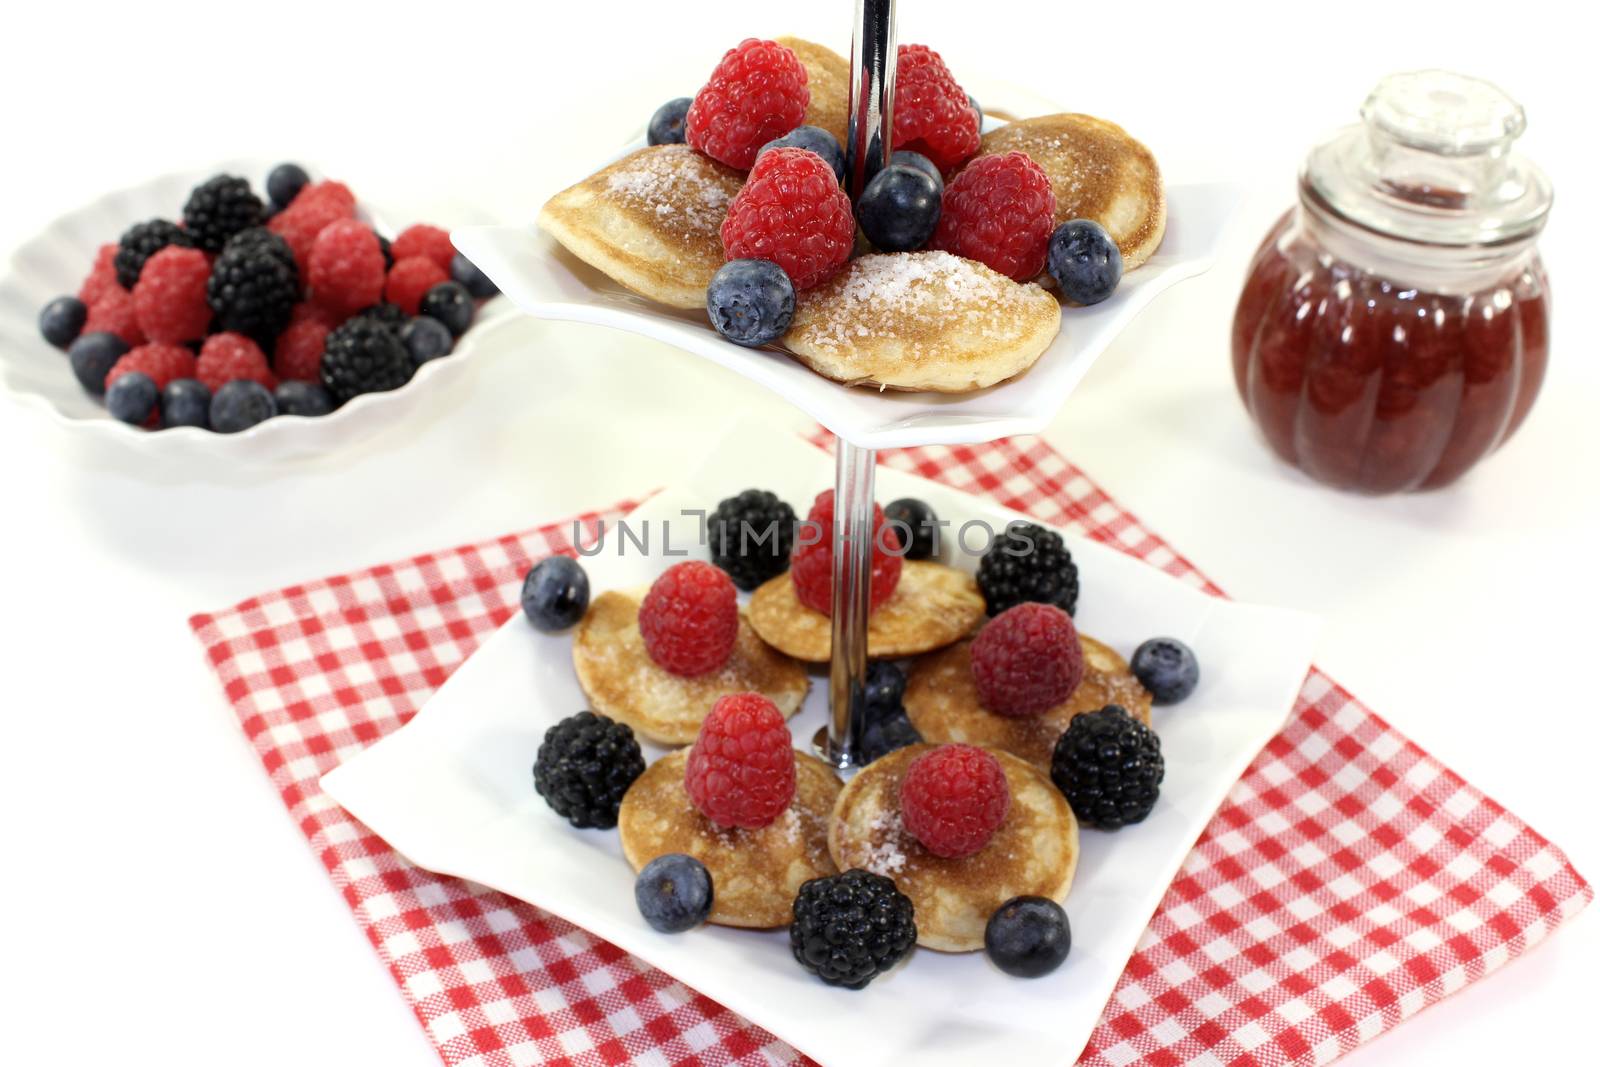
[
  {"x": 680, "y": 186},
  {"x": 915, "y": 298}
]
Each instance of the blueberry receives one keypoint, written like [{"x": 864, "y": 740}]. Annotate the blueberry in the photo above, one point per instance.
[
  {"x": 674, "y": 893},
  {"x": 666, "y": 125},
  {"x": 62, "y": 320},
  {"x": 1084, "y": 261},
  {"x": 899, "y": 209},
  {"x": 907, "y": 158},
  {"x": 920, "y": 521},
  {"x": 387, "y": 248},
  {"x": 186, "y": 402},
  {"x": 240, "y": 405},
  {"x": 750, "y": 301},
  {"x": 92, "y": 356},
  {"x": 285, "y": 181},
  {"x": 132, "y": 398},
  {"x": 451, "y": 304},
  {"x": 426, "y": 339},
  {"x": 479, "y": 284},
  {"x": 976, "y": 107},
  {"x": 886, "y": 735},
  {"x": 1166, "y": 667},
  {"x": 885, "y": 688},
  {"x": 1028, "y": 936},
  {"x": 812, "y": 139},
  {"x": 302, "y": 398},
  {"x": 555, "y": 594}
]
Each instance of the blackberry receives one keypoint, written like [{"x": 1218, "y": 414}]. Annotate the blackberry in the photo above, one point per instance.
[
  {"x": 254, "y": 285},
  {"x": 1109, "y": 767},
  {"x": 385, "y": 314},
  {"x": 220, "y": 207},
  {"x": 851, "y": 927},
  {"x": 751, "y": 536},
  {"x": 364, "y": 356},
  {"x": 1028, "y": 563},
  {"x": 143, "y": 240},
  {"x": 263, "y": 239},
  {"x": 585, "y": 763}
]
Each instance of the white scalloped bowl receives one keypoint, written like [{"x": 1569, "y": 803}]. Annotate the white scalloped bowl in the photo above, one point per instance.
[{"x": 37, "y": 373}]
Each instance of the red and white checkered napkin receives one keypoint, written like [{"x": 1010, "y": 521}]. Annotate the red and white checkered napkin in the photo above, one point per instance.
[{"x": 1348, "y": 882}]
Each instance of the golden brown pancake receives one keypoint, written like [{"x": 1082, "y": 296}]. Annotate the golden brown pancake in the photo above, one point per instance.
[
  {"x": 1034, "y": 853},
  {"x": 942, "y": 701},
  {"x": 650, "y": 221},
  {"x": 828, "y": 78},
  {"x": 921, "y": 321},
  {"x": 932, "y": 606},
  {"x": 622, "y": 682},
  {"x": 1097, "y": 172},
  {"x": 755, "y": 874}
]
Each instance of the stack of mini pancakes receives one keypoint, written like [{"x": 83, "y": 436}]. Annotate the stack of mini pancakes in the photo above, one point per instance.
[{"x": 927, "y": 321}]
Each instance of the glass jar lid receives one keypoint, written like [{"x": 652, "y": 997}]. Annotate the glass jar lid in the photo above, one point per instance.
[{"x": 1432, "y": 163}]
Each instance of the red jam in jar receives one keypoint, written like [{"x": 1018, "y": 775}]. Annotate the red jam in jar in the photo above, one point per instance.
[{"x": 1394, "y": 326}]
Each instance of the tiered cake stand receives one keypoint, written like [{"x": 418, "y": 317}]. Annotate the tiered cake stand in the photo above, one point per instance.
[{"x": 546, "y": 282}]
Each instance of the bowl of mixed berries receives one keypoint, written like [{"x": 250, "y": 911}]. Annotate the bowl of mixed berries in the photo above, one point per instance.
[{"x": 201, "y": 312}]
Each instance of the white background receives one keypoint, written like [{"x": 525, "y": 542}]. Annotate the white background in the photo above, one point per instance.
[{"x": 158, "y": 905}]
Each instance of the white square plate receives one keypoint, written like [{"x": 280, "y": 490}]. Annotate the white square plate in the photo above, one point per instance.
[
  {"x": 453, "y": 792},
  {"x": 547, "y": 281}
]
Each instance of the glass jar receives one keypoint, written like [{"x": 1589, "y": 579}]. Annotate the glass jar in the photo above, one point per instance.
[{"x": 1395, "y": 324}]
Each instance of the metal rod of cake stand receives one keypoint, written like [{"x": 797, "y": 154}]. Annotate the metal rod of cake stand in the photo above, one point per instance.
[{"x": 872, "y": 65}]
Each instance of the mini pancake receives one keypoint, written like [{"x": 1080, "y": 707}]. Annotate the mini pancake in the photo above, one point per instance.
[
  {"x": 1034, "y": 853},
  {"x": 1097, "y": 172},
  {"x": 651, "y": 221},
  {"x": 755, "y": 874},
  {"x": 942, "y": 702},
  {"x": 828, "y": 79},
  {"x": 927, "y": 321},
  {"x": 932, "y": 606},
  {"x": 622, "y": 682}
]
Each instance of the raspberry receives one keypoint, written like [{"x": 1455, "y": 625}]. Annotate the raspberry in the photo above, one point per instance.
[
  {"x": 1027, "y": 660},
  {"x": 690, "y": 619},
  {"x": 298, "y": 354},
  {"x": 313, "y": 207},
  {"x": 423, "y": 240},
  {"x": 953, "y": 799},
  {"x": 113, "y": 313},
  {"x": 1000, "y": 211},
  {"x": 345, "y": 270},
  {"x": 741, "y": 768},
  {"x": 307, "y": 311},
  {"x": 792, "y": 212},
  {"x": 170, "y": 298},
  {"x": 758, "y": 92},
  {"x": 409, "y": 279},
  {"x": 102, "y": 276},
  {"x": 812, "y": 564},
  {"x": 227, "y": 357},
  {"x": 164, "y": 364},
  {"x": 932, "y": 114}
]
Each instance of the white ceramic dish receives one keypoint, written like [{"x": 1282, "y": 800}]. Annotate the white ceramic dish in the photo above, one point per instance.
[
  {"x": 453, "y": 792},
  {"x": 36, "y": 373},
  {"x": 545, "y": 280}
]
